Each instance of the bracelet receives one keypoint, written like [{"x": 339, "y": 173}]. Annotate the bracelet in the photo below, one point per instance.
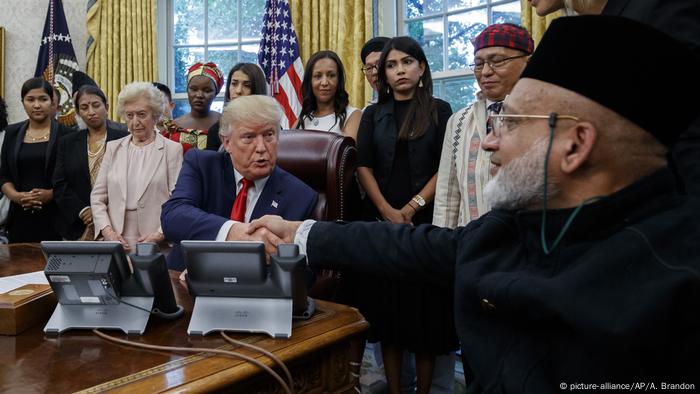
[{"x": 414, "y": 208}]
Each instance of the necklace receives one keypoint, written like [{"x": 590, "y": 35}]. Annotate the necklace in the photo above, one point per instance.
[
  {"x": 99, "y": 144},
  {"x": 43, "y": 137}
]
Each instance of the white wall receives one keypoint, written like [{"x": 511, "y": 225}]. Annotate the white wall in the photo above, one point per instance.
[{"x": 23, "y": 21}]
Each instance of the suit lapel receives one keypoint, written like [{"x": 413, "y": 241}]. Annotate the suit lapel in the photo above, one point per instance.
[
  {"x": 228, "y": 184},
  {"x": 81, "y": 154},
  {"x": 120, "y": 165},
  {"x": 270, "y": 198},
  {"x": 53, "y": 138},
  {"x": 21, "y": 132},
  {"x": 152, "y": 165}
]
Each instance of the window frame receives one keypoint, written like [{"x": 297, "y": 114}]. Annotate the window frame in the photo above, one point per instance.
[
  {"x": 440, "y": 77},
  {"x": 171, "y": 47}
]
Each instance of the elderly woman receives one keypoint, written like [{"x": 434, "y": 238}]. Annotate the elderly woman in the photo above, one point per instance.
[
  {"x": 78, "y": 162},
  {"x": 138, "y": 172},
  {"x": 204, "y": 81}
]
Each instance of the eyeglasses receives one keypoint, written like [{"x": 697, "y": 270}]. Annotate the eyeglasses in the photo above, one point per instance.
[
  {"x": 507, "y": 123},
  {"x": 494, "y": 64},
  {"x": 368, "y": 69}
]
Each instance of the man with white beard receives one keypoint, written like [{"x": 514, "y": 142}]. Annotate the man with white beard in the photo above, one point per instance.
[{"x": 585, "y": 274}]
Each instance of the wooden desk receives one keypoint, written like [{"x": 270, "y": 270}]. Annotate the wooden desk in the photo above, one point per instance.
[{"x": 318, "y": 353}]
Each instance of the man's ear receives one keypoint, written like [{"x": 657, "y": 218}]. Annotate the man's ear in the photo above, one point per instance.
[
  {"x": 225, "y": 141},
  {"x": 578, "y": 145}
]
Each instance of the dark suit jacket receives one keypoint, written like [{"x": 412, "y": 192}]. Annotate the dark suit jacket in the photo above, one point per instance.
[
  {"x": 71, "y": 179},
  {"x": 14, "y": 136},
  {"x": 616, "y": 301},
  {"x": 204, "y": 194},
  {"x": 679, "y": 19}
]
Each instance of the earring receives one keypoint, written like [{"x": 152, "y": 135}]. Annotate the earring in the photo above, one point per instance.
[
  {"x": 420, "y": 83},
  {"x": 388, "y": 90}
]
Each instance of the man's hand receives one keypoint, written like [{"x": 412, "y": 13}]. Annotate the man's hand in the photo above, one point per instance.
[
  {"x": 242, "y": 232},
  {"x": 86, "y": 216},
  {"x": 283, "y": 229},
  {"x": 155, "y": 237}
]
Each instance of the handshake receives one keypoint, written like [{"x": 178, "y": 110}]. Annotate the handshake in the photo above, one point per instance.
[{"x": 269, "y": 229}]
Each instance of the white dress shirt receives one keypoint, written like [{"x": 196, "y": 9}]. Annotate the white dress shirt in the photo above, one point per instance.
[{"x": 254, "y": 193}]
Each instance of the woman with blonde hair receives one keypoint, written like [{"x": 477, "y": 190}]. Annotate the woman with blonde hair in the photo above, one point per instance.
[{"x": 138, "y": 172}]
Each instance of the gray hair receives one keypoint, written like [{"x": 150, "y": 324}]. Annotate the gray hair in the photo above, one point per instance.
[
  {"x": 254, "y": 109},
  {"x": 137, "y": 90}
]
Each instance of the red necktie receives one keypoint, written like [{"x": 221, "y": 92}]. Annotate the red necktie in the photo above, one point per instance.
[{"x": 238, "y": 211}]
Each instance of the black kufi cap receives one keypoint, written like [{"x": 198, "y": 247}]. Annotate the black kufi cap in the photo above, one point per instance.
[
  {"x": 640, "y": 73},
  {"x": 375, "y": 44},
  {"x": 81, "y": 79}
]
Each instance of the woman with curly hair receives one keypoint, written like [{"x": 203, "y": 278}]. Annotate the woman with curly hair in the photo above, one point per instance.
[{"x": 325, "y": 100}]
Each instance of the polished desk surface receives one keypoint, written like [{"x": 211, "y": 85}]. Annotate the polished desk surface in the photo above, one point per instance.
[{"x": 318, "y": 353}]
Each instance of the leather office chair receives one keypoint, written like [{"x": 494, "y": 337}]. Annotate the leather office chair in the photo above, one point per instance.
[{"x": 326, "y": 162}]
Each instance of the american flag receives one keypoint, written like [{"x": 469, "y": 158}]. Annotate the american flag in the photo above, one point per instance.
[
  {"x": 56, "y": 61},
  {"x": 280, "y": 60}
]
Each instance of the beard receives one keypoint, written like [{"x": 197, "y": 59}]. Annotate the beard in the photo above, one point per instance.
[{"x": 520, "y": 183}]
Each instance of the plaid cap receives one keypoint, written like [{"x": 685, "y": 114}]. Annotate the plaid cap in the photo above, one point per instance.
[
  {"x": 504, "y": 35},
  {"x": 210, "y": 70}
]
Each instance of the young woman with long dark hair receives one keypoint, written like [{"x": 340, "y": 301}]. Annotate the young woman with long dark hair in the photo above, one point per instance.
[
  {"x": 399, "y": 146},
  {"x": 28, "y": 159}
]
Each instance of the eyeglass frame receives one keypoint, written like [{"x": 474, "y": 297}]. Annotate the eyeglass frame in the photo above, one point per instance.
[
  {"x": 552, "y": 119},
  {"x": 366, "y": 68},
  {"x": 494, "y": 65}
]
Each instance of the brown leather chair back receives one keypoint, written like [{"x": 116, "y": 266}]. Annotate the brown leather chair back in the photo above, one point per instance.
[{"x": 326, "y": 162}]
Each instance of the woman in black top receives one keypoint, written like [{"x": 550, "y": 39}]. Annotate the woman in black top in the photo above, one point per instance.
[
  {"x": 399, "y": 145},
  {"x": 28, "y": 157},
  {"x": 78, "y": 162}
]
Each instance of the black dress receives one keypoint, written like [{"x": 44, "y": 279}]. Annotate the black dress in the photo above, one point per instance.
[
  {"x": 33, "y": 225},
  {"x": 413, "y": 315}
]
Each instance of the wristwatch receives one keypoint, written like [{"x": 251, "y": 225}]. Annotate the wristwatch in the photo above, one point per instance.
[{"x": 419, "y": 200}]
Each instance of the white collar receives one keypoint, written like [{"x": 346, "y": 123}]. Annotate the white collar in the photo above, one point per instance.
[{"x": 259, "y": 183}]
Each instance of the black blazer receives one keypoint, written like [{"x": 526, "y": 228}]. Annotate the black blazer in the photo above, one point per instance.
[
  {"x": 71, "y": 179},
  {"x": 14, "y": 136}
]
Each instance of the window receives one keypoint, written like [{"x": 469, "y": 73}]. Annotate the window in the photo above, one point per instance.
[
  {"x": 225, "y": 32},
  {"x": 444, "y": 28}
]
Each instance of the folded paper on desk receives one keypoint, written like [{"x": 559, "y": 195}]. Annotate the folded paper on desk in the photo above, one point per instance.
[
  {"x": 22, "y": 307},
  {"x": 8, "y": 283}
]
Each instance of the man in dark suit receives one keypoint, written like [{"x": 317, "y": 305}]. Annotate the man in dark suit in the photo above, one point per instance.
[
  {"x": 585, "y": 274},
  {"x": 217, "y": 193}
]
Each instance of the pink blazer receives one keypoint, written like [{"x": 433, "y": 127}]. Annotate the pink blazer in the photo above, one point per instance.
[{"x": 108, "y": 197}]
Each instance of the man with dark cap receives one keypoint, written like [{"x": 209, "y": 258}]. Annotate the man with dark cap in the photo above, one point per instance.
[
  {"x": 501, "y": 52},
  {"x": 370, "y": 60},
  {"x": 681, "y": 20},
  {"x": 584, "y": 275}
]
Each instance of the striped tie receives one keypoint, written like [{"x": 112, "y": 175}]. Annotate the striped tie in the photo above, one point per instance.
[{"x": 492, "y": 109}]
